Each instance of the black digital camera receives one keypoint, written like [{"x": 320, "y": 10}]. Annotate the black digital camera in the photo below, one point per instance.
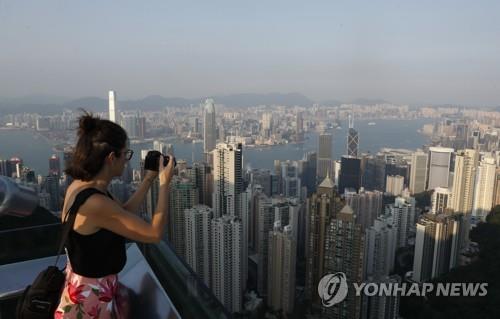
[{"x": 152, "y": 160}]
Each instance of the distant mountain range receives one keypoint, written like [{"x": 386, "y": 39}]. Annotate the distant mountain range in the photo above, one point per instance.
[{"x": 46, "y": 104}]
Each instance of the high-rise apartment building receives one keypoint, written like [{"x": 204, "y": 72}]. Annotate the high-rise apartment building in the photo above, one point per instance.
[
  {"x": 437, "y": 245},
  {"x": 281, "y": 266},
  {"x": 483, "y": 193},
  {"x": 265, "y": 217},
  {"x": 198, "y": 222},
  {"x": 466, "y": 163},
  {"x": 402, "y": 214},
  {"x": 441, "y": 200},
  {"x": 381, "y": 245},
  {"x": 320, "y": 208},
  {"x": 227, "y": 264},
  {"x": 345, "y": 252},
  {"x": 228, "y": 179},
  {"x": 183, "y": 195},
  {"x": 367, "y": 205}
]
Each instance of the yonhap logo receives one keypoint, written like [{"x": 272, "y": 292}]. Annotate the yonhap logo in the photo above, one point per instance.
[{"x": 332, "y": 289}]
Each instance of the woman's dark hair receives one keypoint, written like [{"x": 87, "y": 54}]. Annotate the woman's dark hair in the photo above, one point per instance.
[{"x": 96, "y": 139}]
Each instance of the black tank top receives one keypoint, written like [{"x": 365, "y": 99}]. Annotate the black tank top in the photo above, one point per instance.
[{"x": 96, "y": 255}]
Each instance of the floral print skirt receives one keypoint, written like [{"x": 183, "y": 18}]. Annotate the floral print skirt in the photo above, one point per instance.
[{"x": 96, "y": 298}]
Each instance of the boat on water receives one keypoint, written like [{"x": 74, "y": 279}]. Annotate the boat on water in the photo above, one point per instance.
[{"x": 372, "y": 123}]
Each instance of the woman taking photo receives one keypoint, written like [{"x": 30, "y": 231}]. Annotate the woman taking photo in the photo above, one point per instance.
[{"x": 96, "y": 242}]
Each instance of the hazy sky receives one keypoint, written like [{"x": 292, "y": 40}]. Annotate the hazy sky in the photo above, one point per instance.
[{"x": 420, "y": 52}]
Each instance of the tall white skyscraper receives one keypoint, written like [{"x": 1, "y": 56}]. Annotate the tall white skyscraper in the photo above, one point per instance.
[
  {"x": 198, "y": 222},
  {"x": 228, "y": 181},
  {"x": 483, "y": 193},
  {"x": 209, "y": 127},
  {"x": 227, "y": 263},
  {"x": 113, "y": 109},
  {"x": 439, "y": 167},
  {"x": 281, "y": 266},
  {"x": 463, "y": 181},
  {"x": 418, "y": 174}
]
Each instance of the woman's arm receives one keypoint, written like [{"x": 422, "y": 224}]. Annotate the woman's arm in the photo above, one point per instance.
[
  {"x": 104, "y": 212},
  {"x": 134, "y": 202}
]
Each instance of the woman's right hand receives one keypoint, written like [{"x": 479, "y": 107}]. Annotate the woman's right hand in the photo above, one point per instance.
[{"x": 166, "y": 172}]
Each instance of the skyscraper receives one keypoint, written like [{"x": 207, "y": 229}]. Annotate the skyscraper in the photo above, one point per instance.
[
  {"x": 325, "y": 156},
  {"x": 394, "y": 185},
  {"x": 320, "y": 208},
  {"x": 367, "y": 205},
  {"x": 418, "y": 175},
  {"x": 350, "y": 173},
  {"x": 345, "y": 252},
  {"x": 227, "y": 267},
  {"x": 263, "y": 207},
  {"x": 267, "y": 125},
  {"x": 439, "y": 167},
  {"x": 198, "y": 222},
  {"x": 112, "y": 108},
  {"x": 281, "y": 267},
  {"x": 209, "y": 127},
  {"x": 299, "y": 128},
  {"x": 352, "y": 139},
  {"x": 202, "y": 176},
  {"x": 308, "y": 174},
  {"x": 228, "y": 179},
  {"x": 183, "y": 195},
  {"x": 381, "y": 239},
  {"x": 441, "y": 200},
  {"x": 483, "y": 193},
  {"x": 463, "y": 181},
  {"x": 402, "y": 215},
  {"x": 290, "y": 181},
  {"x": 437, "y": 245}
]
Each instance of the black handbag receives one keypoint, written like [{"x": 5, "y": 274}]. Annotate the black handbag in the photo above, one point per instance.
[{"x": 41, "y": 298}]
